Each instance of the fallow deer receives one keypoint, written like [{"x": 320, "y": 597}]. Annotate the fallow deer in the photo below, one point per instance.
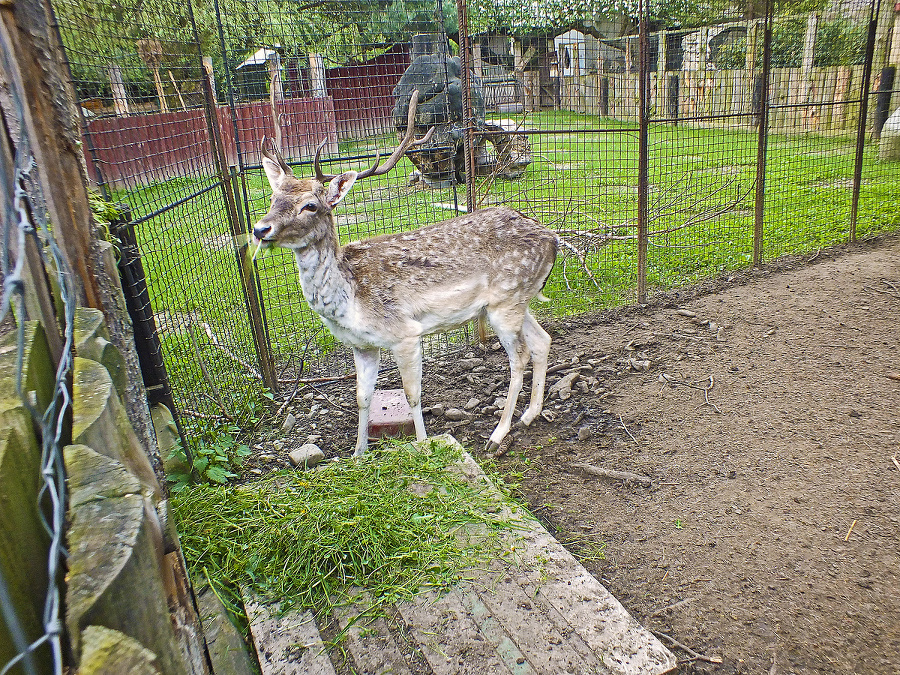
[{"x": 390, "y": 290}]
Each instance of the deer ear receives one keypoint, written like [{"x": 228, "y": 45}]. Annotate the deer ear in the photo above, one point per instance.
[
  {"x": 338, "y": 188},
  {"x": 274, "y": 172}
]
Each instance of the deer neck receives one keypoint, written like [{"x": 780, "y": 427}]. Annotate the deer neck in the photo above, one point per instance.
[{"x": 325, "y": 285}]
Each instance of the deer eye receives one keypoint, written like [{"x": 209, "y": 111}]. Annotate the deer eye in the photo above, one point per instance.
[{"x": 312, "y": 207}]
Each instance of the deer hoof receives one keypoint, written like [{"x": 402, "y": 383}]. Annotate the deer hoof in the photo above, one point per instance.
[{"x": 491, "y": 447}]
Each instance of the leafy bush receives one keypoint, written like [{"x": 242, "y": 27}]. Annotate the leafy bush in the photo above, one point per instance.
[
  {"x": 215, "y": 461},
  {"x": 839, "y": 42}
]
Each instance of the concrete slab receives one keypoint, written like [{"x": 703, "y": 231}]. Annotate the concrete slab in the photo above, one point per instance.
[{"x": 535, "y": 612}]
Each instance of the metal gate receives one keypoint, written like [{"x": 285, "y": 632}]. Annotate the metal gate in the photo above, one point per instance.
[{"x": 691, "y": 146}]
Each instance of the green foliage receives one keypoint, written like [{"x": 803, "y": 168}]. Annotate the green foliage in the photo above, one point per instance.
[
  {"x": 215, "y": 461},
  {"x": 389, "y": 522},
  {"x": 839, "y": 42}
]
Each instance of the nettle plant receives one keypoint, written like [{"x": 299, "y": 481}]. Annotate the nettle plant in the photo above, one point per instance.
[{"x": 216, "y": 461}]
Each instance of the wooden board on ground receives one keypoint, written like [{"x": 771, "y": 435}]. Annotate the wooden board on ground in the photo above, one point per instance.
[{"x": 536, "y": 612}]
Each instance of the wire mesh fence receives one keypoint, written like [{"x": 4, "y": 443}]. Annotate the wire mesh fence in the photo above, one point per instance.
[{"x": 690, "y": 146}]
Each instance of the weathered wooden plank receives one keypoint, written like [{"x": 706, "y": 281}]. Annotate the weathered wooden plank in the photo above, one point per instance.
[
  {"x": 227, "y": 652},
  {"x": 286, "y": 644},
  {"x": 542, "y": 633},
  {"x": 371, "y": 643},
  {"x": 115, "y": 576},
  {"x": 449, "y": 638}
]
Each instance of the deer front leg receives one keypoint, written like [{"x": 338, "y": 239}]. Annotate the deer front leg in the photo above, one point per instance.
[
  {"x": 408, "y": 355},
  {"x": 367, "y": 361}
]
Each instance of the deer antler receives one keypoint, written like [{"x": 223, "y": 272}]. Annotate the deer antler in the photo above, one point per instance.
[
  {"x": 405, "y": 144},
  {"x": 268, "y": 147}
]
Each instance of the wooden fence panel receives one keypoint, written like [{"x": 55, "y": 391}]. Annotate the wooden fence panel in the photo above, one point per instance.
[{"x": 704, "y": 93}]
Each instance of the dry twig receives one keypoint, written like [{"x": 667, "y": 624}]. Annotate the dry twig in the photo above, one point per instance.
[
  {"x": 692, "y": 655},
  {"x": 706, "y": 391},
  {"x": 231, "y": 355},
  {"x": 217, "y": 395},
  {"x": 613, "y": 474},
  {"x": 622, "y": 422}
]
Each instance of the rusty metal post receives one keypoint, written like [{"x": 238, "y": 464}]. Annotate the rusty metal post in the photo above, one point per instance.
[
  {"x": 643, "y": 153},
  {"x": 468, "y": 113},
  {"x": 863, "y": 116},
  {"x": 762, "y": 139},
  {"x": 240, "y": 238}
]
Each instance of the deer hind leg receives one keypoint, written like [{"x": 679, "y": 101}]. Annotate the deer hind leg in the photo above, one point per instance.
[
  {"x": 508, "y": 327},
  {"x": 366, "y": 361},
  {"x": 408, "y": 355},
  {"x": 538, "y": 341}
]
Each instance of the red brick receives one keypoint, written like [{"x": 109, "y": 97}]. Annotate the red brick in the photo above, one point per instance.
[{"x": 390, "y": 415}]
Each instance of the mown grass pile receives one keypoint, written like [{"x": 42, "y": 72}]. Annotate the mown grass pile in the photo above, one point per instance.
[{"x": 388, "y": 523}]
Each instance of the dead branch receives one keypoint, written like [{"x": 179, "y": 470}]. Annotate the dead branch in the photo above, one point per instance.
[
  {"x": 622, "y": 422},
  {"x": 231, "y": 355},
  {"x": 693, "y": 656},
  {"x": 217, "y": 395},
  {"x": 612, "y": 474}
]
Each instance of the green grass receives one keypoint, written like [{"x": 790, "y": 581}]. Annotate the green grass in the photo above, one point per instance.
[
  {"x": 701, "y": 205},
  {"x": 389, "y": 523}
]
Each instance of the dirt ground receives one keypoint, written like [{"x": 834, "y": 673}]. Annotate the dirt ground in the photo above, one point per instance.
[{"x": 765, "y": 408}]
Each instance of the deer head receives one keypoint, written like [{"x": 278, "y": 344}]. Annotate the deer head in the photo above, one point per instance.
[{"x": 300, "y": 208}]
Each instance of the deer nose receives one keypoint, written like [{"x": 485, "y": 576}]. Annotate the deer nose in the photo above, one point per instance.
[{"x": 261, "y": 230}]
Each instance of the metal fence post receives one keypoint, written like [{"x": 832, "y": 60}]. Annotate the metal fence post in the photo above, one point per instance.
[
  {"x": 643, "y": 153},
  {"x": 762, "y": 139},
  {"x": 468, "y": 114},
  {"x": 239, "y": 234},
  {"x": 863, "y": 116}
]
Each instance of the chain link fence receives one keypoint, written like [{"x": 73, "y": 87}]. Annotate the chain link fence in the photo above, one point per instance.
[{"x": 692, "y": 145}]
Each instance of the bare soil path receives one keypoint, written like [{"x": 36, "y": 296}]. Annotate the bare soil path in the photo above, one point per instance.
[{"x": 765, "y": 407}]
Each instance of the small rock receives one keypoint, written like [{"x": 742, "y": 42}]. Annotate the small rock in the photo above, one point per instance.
[
  {"x": 472, "y": 403},
  {"x": 686, "y": 312},
  {"x": 307, "y": 456},
  {"x": 563, "y": 387},
  {"x": 288, "y": 423},
  {"x": 639, "y": 365},
  {"x": 437, "y": 410},
  {"x": 548, "y": 415},
  {"x": 469, "y": 363},
  {"x": 584, "y": 433},
  {"x": 313, "y": 438},
  {"x": 455, "y": 415}
]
